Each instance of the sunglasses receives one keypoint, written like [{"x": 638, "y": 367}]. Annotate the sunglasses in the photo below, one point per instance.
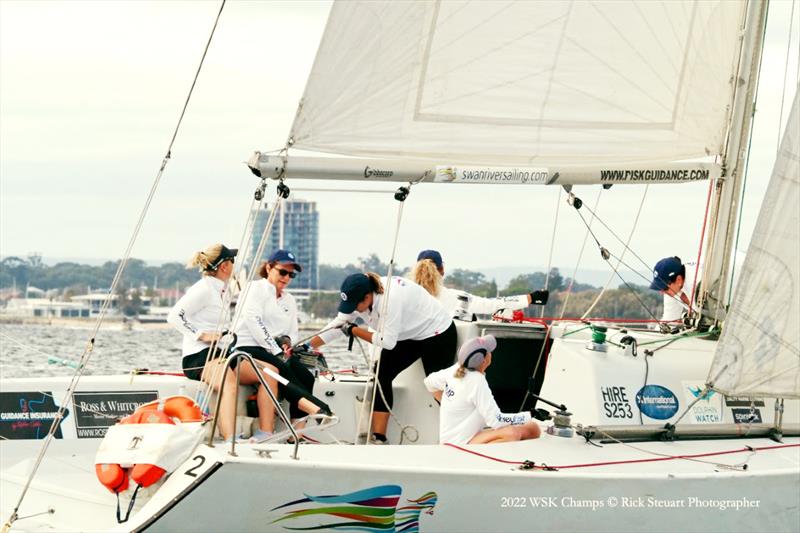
[{"x": 283, "y": 272}]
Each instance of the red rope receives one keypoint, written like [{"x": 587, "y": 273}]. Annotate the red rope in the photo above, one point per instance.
[
  {"x": 596, "y": 319},
  {"x": 702, "y": 237},
  {"x": 628, "y": 461}
]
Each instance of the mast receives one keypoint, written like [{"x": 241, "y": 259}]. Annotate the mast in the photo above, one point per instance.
[{"x": 728, "y": 192}]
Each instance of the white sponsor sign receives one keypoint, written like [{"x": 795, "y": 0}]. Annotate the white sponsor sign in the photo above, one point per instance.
[{"x": 512, "y": 175}]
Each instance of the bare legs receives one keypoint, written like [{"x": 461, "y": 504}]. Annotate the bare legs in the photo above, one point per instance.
[{"x": 507, "y": 434}]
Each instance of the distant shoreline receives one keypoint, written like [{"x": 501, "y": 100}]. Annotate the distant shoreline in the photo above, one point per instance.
[{"x": 115, "y": 322}]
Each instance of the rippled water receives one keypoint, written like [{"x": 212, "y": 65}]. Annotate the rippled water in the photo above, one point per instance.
[{"x": 25, "y": 350}]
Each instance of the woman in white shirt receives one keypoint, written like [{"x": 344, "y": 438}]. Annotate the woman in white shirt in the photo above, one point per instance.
[
  {"x": 198, "y": 315},
  {"x": 416, "y": 326},
  {"x": 428, "y": 272},
  {"x": 467, "y": 404},
  {"x": 270, "y": 312}
]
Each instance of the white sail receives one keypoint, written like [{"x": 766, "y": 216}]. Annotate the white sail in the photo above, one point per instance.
[
  {"x": 759, "y": 351},
  {"x": 523, "y": 83}
]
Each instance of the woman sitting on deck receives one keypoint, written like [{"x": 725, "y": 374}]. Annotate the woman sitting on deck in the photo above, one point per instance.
[{"x": 467, "y": 404}]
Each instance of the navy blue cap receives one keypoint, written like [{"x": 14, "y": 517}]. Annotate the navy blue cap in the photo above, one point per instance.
[
  {"x": 666, "y": 271},
  {"x": 284, "y": 256},
  {"x": 225, "y": 254},
  {"x": 433, "y": 255},
  {"x": 354, "y": 288}
]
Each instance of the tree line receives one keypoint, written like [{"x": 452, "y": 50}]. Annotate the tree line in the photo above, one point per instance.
[{"x": 74, "y": 278}]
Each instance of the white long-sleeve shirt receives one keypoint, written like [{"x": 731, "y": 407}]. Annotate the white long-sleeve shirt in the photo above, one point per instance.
[
  {"x": 412, "y": 314},
  {"x": 198, "y": 311},
  {"x": 266, "y": 316},
  {"x": 479, "y": 305},
  {"x": 468, "y": 406}
]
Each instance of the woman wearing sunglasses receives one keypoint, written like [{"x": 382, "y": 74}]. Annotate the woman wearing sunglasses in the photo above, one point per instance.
[
  {"x": 199, "y": 315},
  {"x": 270, "y": 312}
]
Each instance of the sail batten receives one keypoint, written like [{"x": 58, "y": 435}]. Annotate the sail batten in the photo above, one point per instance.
[
  {"x": 759, "y": 351},
  {"x": 517, "y": 83}
]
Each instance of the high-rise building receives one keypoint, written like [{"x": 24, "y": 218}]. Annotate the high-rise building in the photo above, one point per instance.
[{"x": 296, "y": 228}]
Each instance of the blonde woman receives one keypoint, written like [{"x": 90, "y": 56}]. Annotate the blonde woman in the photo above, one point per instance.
[
  {"x": 428, "y": 272},
  {"x": 467, "y": 404},
  {"x": 198, "y": 315}
]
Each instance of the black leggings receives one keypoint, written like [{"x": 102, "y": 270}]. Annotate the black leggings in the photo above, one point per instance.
[
  {"x": 293, "y": 370},
  {"x": 437, "y": 352}
]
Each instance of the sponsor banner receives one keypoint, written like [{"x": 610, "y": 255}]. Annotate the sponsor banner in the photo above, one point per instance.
[
  {"x": 708, "y": 408},
  {"x": 657, "y": 402},
  {"x": 733, "y": 401},
  {"x": 747, "y": 416},
  {"x": 28, "y": 415},
  {"x": 371, "y": 172},
  {"x": 616, "y": 402},
  {"x": 511, "y": 175},
  {"x": 651, "y": 175},
  {"x": 95, "y": 412}
]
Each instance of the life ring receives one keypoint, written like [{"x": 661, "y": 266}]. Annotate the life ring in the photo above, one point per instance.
[
  {"x": 182, "y": 408},
  {"x": 117, "y": 478}
]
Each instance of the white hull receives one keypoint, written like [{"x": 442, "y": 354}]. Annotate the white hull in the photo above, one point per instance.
[
  {"x": 639, "y": 486},
  {"x": 472, "y": 493}
]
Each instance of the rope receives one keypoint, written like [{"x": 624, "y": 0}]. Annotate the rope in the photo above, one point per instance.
[
  {"x": 626, "y": 244},
  {"x": 85, "y": 357},
  {"x": 661, "y": 457}
]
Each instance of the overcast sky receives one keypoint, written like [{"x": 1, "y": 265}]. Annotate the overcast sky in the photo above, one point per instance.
[{"x": 90, "y": 93}]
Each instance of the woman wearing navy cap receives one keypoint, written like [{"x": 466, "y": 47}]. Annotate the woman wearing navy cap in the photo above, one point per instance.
[
  {"x": 198, "y": 315},
  {"x": 429, "y": 273},
  {"x": 270, "y": 312},
  {"x": 416, "y": 326}
]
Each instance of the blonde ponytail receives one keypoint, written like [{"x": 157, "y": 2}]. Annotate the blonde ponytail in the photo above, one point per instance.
[
  {"x": 426, "y": 275},
  {"x": 204, "y": 259},
  {"x": 461, "y": 371}
]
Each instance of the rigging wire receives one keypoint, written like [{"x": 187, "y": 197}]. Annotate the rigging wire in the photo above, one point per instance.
[
  {"x": 401, "y": 195},
  {"x": 552, "y": 247},
  {"x": 785, "y": 76},
  {"x": 86, "y": 356},
  {"x": 583, "y": 247},
  {"x": 626, "y": 244}
]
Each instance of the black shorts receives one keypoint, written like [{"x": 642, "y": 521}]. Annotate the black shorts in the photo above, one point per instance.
[{"x": 193, "y": 364}]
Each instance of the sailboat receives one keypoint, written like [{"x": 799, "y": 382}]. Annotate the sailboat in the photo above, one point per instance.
[{"x": 658, "y": 428}]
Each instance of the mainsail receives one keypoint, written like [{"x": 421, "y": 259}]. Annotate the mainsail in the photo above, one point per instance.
[
  {"x": 759, "y": 351},
  {"x": 523, "y": 83}
]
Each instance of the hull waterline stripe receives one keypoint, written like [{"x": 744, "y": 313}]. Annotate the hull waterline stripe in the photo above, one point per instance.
[{"x": 627, "y": 461}]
